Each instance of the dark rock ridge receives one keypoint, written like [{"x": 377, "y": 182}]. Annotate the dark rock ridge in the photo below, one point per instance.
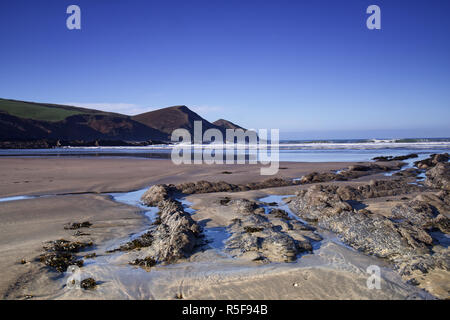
[
  {"x": 398, "y": 158},
  {"x": 162, "y": 191},
  {"x": 353, "y": 172}
]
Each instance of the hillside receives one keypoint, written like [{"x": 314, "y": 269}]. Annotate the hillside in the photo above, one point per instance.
[
  {"x": 44, "y": 112},
  {"x": 168, "y": 119},
  {"x": 21, "y": 120},
  {"x": 225, "y": 124},
  {"x": 31, "y": 121}
]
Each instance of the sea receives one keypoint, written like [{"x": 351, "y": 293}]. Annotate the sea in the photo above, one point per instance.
[{"x": 341, "y": 150}]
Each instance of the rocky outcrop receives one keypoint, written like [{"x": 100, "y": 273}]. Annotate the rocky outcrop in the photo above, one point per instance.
[
  {"x": 398, "y": 158},
  {"x": 403, "y": 238},
  {"x": 353, "y": 172},
  {"x": 433, "y": 160},
  {"x": 175, "y": 235},
  {"x": 157, "y": 193},
  {"x": 271, "y": 237},
  {"x": 374, "y": 189},
  {"x": 222, "y": 186},
  {"x": 438, "y": 177},
  {"x": 417, "y": 212},
  {"x": 367, "y": 232}
]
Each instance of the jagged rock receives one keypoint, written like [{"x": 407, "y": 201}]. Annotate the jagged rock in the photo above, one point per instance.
[
  {"x": 440, "y": 200},
  {"x": 207, "y": 187},
  {"x": 385, "y": 188},
  {"x": 243, "y": 205},
  {"x": 267, "y": 237},
  {"x": 155, "y": 194},
  {"x": 408, "y": 173},
  {"x": 279, "y": 213},
  {"x": 313, "y": 203},
  {"x": 432, "y": 161},
  {"x": 375, "y": 234},
  {"x": 442, "y": 223},
  {"x": 422, "y": 263},
  {"x": 417, "y": 212},
  {"x": 353, "y": 172},
  {"x": 174, "y": 237},
  {"x": 279, "y": 247},
  {"x": 370, "y": 233},
  {"x": 439, "y": 176}
]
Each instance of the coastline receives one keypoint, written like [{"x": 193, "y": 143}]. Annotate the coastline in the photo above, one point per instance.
[{"x": 83, "y": 187}]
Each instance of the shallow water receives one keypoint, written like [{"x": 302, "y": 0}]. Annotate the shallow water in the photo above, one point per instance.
[
  {"x": 302, "y": 152},
  {"x": 327, "y": 236},
  {"x": 119, "y": 280},
  {"x": 16, "y": 198}
]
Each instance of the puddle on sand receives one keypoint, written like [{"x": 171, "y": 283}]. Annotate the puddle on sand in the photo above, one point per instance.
[
  {"x": 7, "y": 199},
  {"x": 133, "y": 198},
  {"x": 216, "y": 237}
]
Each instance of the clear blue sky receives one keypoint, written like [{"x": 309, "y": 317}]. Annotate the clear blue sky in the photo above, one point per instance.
[{"x": 309, "y": 68}]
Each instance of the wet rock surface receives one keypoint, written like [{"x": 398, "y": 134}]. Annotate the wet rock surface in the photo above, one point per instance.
[
  {"x": 433, "y": 160},
  {"x": 439, "y": 176},
  {"x": 398, "y": 158},
  {"x": 272, "y": 237},
  {"x": 172, "y": 236},
  {"x": 353, "y": 172},
  {"x": 403, "y": 238}
]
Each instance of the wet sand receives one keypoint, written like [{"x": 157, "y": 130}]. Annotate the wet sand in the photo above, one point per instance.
[{"x": 332, "y": 272}]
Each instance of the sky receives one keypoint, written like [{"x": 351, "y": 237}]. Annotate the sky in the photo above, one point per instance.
[{"x": 309, "y": 68}]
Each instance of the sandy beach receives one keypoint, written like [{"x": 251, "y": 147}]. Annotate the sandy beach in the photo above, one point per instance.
[{"x": 71, "y": 190}]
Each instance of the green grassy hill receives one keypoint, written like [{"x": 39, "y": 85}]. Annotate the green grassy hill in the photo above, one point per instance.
[
  {"x": 44, "y": 112},
  {"x": 35, "y": 112}
]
